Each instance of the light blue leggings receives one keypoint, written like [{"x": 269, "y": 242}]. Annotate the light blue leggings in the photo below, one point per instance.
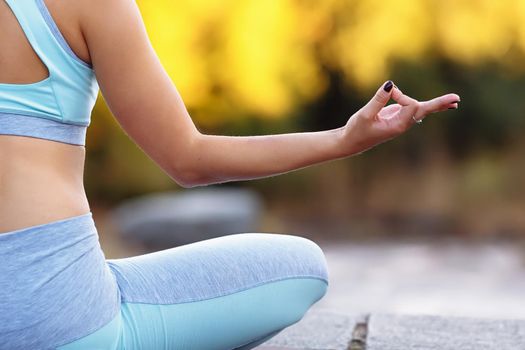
[{"x": 232, "y": 292}]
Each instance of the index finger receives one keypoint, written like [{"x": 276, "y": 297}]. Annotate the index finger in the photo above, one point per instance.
[
  {"x": 401, "y": 98},
  {"x": 437, "y": 104}
]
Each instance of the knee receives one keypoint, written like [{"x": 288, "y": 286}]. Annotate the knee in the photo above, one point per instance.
[
  {"x": 306, "y": 257},
  {"x": 287, "y": 256},
  {"x": 313, "y": 269},
  {"x": 310, "y": 272}
]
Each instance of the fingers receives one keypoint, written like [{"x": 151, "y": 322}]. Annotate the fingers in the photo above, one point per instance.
[
  {"x": 389, "y": 110},
  {"x": 402, "y": 99},
  {"x": 406, "y": 113},
  {"x": 380, "y": 99},
  {"x": 409, "y": 109},
  {"x": 438, "y": 104}
]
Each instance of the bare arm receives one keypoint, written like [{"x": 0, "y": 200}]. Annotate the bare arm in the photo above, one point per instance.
[{"x": 149, "y": 108}]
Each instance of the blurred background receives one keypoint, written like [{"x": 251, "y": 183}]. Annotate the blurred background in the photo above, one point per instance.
[{"x": 432, "y": 222}]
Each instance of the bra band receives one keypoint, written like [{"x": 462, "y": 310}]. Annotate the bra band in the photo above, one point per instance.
[{"x": 42, "y": 128}]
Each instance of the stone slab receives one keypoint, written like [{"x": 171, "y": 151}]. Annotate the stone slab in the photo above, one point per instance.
[
  {"x": 403, "y": 332},
  {"x": 318, "y": 330}
]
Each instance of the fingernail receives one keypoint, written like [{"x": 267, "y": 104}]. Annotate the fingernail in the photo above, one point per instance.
[
  {"x": 388, "y": 86},
  {"x": 453, "y": 108},
  {"x": 456, "y": 101}
]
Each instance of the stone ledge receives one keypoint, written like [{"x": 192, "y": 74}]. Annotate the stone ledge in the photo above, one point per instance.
[
  {"x": 318, "y": 330},
  {"x": 394, "y": 332},
  {"x": 329, "y": 330}
]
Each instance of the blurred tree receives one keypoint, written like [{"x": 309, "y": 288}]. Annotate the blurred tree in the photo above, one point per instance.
[{"x": 247, "y": 67}]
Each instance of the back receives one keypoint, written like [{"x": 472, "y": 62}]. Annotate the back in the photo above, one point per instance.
[
  {"x": 19, "y": 63},
  {"x": 40, "y": 180}
]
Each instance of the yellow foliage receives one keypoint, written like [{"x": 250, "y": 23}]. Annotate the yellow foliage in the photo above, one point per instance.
[
  {"x": 378, "y": 32},
  {"x": 265, "y": 57},
  {"x": 476, "y": 29},
  {"x": 259, "y": 40}
]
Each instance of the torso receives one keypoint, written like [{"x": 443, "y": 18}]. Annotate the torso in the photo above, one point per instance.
[{"x": 40, "y": 180}]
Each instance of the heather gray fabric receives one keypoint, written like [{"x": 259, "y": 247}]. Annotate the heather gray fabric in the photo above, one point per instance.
[
  {"x": 41, "y": 128},
  {"x": 58, "y": 290},
  {"x": 54, "y": 284}
]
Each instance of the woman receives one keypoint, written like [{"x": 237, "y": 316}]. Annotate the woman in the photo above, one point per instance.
[{"x": 57, "y": 290}]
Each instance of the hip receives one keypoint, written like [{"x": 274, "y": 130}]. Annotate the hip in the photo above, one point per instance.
[{"x": 50, "y": 273}]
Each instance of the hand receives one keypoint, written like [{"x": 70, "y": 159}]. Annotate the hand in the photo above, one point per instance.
[{"x": 374, "y": 123}]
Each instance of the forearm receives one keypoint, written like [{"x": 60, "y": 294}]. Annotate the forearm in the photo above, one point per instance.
[
  {"x": 208, "y": 159},
  {"x": 216, "y": 159}
]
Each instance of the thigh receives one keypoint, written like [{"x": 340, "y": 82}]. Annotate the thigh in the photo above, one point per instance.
[{"x": 222, "y": 293}]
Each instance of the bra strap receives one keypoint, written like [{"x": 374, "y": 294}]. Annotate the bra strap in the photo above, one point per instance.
[
  {"x": 40, "y": 31},
  {"x": 72, "y": 81}
]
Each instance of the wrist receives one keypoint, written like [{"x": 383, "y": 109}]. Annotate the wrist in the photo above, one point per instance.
[{"x": 343, "y": 147}]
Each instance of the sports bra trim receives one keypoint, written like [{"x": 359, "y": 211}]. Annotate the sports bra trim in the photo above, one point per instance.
[
  {"x": 42, "y": 128},
  {"x": 58, "y": 34}
]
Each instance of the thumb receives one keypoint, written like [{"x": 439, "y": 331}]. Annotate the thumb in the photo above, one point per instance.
[{"x": 380, "y": 99}]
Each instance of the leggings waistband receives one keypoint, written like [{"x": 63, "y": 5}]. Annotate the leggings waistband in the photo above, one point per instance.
[{"x": 49, "y": 228}]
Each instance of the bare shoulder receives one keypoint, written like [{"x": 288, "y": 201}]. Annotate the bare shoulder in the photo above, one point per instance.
[
  {"x": 134, "y": 83},
  {"x": 108, "y": 18},
  {"x": 120, "y": 50},
  {"x": 96, "y": 13}
]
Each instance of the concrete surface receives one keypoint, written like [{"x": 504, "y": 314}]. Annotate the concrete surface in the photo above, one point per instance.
[
  {"x": 328, "y": 330},
  {"x": 318, "y": 330},
  {"x": 390, "y": 332}
]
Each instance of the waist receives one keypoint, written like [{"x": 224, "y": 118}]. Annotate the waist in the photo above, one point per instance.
[{"x": 40, "y": 181}]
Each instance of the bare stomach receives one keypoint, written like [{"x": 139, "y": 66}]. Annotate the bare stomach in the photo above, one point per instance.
[{"x": 40, "y": 181}]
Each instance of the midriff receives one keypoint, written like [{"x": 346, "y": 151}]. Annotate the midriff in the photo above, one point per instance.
[{"x": 40, "y": 181}]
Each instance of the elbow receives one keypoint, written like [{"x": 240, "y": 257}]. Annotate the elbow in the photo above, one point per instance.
[
  {"x": 189, "y": 181},
  {"x": 187, "y": 171},
  {"x": 183, "y": 168},
  {"x": 183, "y": 182},
  {"x": 188, "y": 174}
]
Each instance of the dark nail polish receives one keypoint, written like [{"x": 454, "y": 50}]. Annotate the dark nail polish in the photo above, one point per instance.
[{"x": 388, "y": 86}]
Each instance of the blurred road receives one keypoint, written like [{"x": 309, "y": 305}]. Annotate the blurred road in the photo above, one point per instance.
[{"x": 454, "y": 279}]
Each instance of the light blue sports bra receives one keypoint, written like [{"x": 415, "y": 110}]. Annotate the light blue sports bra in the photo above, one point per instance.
[{"x": 59, "y": 107}]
